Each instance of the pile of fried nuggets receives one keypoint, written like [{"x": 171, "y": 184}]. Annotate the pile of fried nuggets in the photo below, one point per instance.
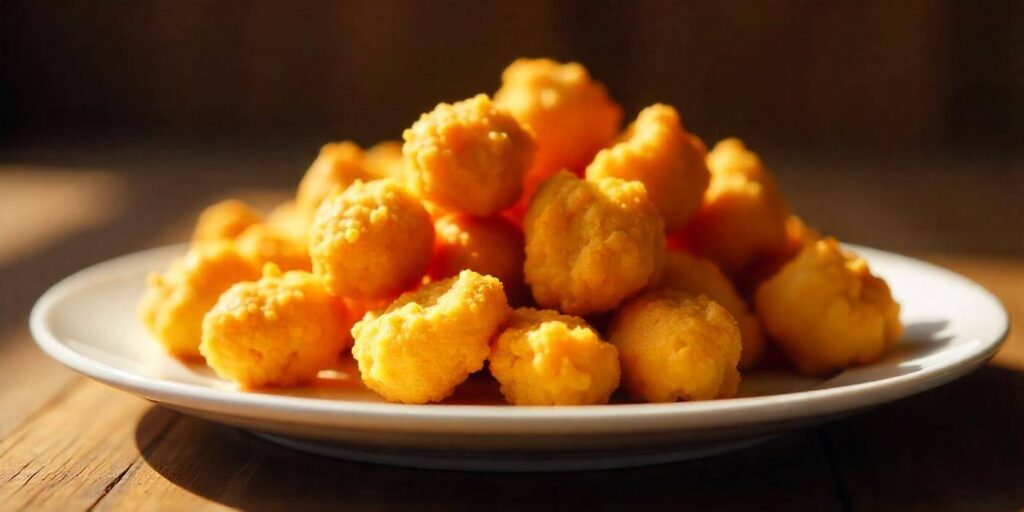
[{"x": 411, "y": 254}]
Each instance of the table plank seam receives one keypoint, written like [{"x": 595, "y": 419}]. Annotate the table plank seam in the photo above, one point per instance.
[
  {"x": 143, "y": 452},
  {"x": 831, "y": 466}
]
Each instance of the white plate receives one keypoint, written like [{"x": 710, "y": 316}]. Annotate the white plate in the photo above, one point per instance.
[{"x": 88, "y": 323}]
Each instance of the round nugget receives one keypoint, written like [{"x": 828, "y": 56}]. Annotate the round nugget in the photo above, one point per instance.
[
  {"x": 591, "y": 244},
  {"x": 174, "y": 303},
  {"x": 288, "y": 218},
  {"x": 743, "y": 215},
  {"x": 338, "y": 165},
  {"x": 265, "y": 243},
  {"x": 570, "y": 112},
  {"x": 489, "y": 245},
  {"x": 546, "y": 358},
  {"x": 372, "y": 241},
  {"x": 798, "y": 236},
  {"x": 826, "y": 311},
  {"x": 278, "y": 331},
  {"x": 676, "y": 346},
  {"x": 468, "y": 157},
  {"x": 659, "y": 152},
  {"x": 699, "y": 276},
  {"x": 224, "y": 221},
  {"x": 428, "y": 341}
]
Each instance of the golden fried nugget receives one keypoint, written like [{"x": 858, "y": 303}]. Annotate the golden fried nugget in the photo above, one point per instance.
[
  {"x": 570, "y": 112},
  {"x": 224, "y": 221},
  {"x": 469, "y": 156},
  {"x": 174, "y": 303},
  {"x": 338, "y": 165},
  {"x": 385, "y": 160},
  {"x": 546, "y": 358},
  {"x": 826, "y": 311},
  {"x": 743, "y": 215},
  {"x": 659, "y": 152},
  {"x": 428, "y": 341},
  {"x": 372, "y": 241},
  {"x": 591, "y": 244},
  {"x": 278, "y": 331},
  {"x": 264, "y": 243},
  {"x": 676, "y": 346},
  {"x": 288, "y": 218},
  {"x": 489, "y": 245},
  {"x": 699, "y": 276}
]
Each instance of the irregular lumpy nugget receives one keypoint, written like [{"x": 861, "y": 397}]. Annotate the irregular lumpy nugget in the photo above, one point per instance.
[
  {"x": 278, "y": 331},
  {"x": 266, "y": 243},
  {"x": 546, "y": 358},
  {"x": 174, "y": 303},
  {"x": 488, "y": 245},
  {"x": 676, "y": 346},
  {"x": 428, "y": 341},
  {"x": 372, "y": 241},
  {"x": 699, "y": 276},
  {"x": 570, "y": 112},
  {"x": 224, "y": 221},
  {"x": 591, "y": 244},
  {"x": 743, "y": 215},
  {"x": 469, "y": 156},
  {"x": 659, "y": 152},
  {"x": 385, "y": 160},
  {"x": 826, "y": 311},
  {"x": 338, "y": 165}
]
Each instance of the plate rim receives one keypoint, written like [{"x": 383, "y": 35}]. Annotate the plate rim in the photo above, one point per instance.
[{"x": 734, "y": 412}]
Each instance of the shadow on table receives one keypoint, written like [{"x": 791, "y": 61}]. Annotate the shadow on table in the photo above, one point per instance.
[{"x": 960, "y": 445}]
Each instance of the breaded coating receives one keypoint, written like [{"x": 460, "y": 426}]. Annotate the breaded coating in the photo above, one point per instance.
[
  {"x": 264, "y": 243},
  {"x": 385, "y": 160},
  {"x": 278, "y": 331},
  {"x": 489, "y": 245},
  {"x": 428, "y": 341},
  {"x": 743, "y": 215},
  {"x": 676, "y": 346},
  {"x": 826, "y": 311},
  {"x": 591, "y": 244},
  {"x": 338, "y": 165},
  {"x": 372, "y": 241},
  {"x": 699, "y": 276},
  {"x": 224, "y": 221},
  {"x": 570, "y": 112},
  {"x": 659, "y": 152},
  {"x": 469, "y": 156},
  {"x": 288, "y": 218},
  {"x": 174, "y": 303},
  {"x": 546, "y": 358}
]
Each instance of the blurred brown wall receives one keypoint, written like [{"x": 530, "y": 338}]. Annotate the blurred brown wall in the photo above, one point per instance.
[{"x": 878, "y": 76}]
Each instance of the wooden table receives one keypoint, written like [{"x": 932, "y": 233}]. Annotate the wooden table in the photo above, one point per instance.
[{"x": 68, "y": 443}]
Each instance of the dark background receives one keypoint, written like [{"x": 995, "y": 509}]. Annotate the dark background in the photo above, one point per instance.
[
  {"x": 896, "y": 124},
  {"x": 865, "y": 77}
]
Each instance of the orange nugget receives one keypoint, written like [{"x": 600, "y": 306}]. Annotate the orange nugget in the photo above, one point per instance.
[
  {"x": 468, "y": 157},
  {"x": 659, "y": 152},
  {"x": 278, "y": 331},
  {"x": 174, "y": 303},
  {"x": 224, "y": 221},
  {"x": 676, "y": 346},
  {"x": 743, "y": 215},
  {"x": 698, "y": 276},
  {"x": 826, "y": 311},
  {"x": 488, "y": 245},
  {"x": 372, "y": 241},
  {"x": 338, "y": 165},
  {"x": 264, "y": 243},
  {"x": 591, "y": 244}
]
